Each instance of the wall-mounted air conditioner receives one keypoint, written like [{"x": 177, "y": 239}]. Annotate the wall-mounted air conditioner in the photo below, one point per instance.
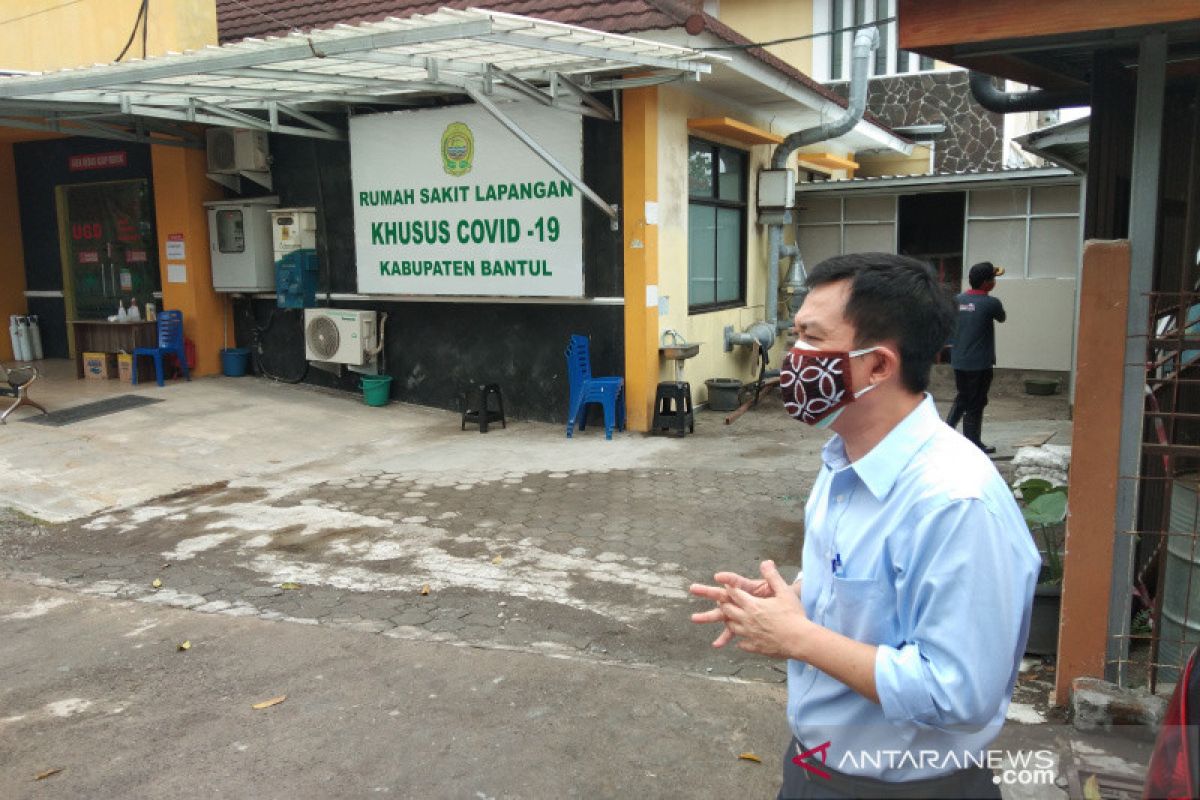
[
  {"x": 236, "y": 150},
  {"x": 339, "y": 336}
]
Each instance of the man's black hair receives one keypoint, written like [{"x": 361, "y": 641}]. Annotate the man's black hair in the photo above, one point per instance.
[
  {"x": 981, "y": 273},
  {"x": 894, "y": 298}
]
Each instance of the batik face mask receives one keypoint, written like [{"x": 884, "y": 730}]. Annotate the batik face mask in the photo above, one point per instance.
[{"x": 816, "y": 384}]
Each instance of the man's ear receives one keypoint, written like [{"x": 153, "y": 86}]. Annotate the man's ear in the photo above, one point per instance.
[{"x": 885, "y": 364}]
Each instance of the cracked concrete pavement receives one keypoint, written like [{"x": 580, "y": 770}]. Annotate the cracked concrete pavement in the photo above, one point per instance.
[{"x": 304, "y": 509}]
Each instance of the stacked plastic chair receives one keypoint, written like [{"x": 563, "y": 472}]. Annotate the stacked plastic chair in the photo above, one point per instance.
[
  {"x": 170, "y": 340},
  {"x": 586, "y": 390}
]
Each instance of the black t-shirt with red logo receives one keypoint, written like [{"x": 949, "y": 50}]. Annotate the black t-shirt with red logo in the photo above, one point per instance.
[{"x": 974, "y": 342}]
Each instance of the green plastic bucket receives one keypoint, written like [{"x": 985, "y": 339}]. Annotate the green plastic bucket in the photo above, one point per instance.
[{"x": 377, "y": 389}]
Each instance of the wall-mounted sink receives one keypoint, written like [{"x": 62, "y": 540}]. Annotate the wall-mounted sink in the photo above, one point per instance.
[{"x": 678, "y": 352}]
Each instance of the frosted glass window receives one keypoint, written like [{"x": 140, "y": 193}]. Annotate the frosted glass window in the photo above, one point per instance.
[
  {"x": 998, "y": 203},
  {"x": 729, "y": 254},
  {"x": 717, "y": 178},
  {"x": 819, "y": 243},
  {"x": 1054, "y": 248},
  {"x": 1056, "y": 200},
  {"x": 702, "y": 253},
  {"x": 1000, "y": 241},
  {"x": 819, "y": 209},
  {"x": 881, "y": 208},
  {"x": 870, "y": 239}
]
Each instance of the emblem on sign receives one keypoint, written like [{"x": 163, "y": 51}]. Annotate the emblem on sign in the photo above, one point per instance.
[{"x": 458, "y": 148}]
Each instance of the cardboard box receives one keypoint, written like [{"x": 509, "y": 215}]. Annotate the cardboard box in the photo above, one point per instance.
[
  {"x": 125, "y": 367},
  {"x": 99, "y": 366}
]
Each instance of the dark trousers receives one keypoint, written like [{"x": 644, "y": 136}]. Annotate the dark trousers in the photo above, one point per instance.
[
  {"x": 972, "y": 397},
  {"x": 799, "y": 783}
]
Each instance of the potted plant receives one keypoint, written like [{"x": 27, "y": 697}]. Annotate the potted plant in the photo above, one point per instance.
[{"x": 1045, "y": 509}]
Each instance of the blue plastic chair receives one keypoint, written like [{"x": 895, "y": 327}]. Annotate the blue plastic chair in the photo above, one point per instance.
[
  {"x": 586, "y": 390},
  {"x": 170, "y": 340}
]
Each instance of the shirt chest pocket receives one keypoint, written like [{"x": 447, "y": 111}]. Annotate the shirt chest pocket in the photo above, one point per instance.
[{"x": 864, "y": 610}]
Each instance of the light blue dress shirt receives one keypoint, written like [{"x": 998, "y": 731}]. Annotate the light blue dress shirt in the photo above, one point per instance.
[{"x": 918, "y": 547}]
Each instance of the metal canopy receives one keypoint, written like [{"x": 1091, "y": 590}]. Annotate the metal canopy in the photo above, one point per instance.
[
  {"x": 393, "y": 62},
  {"x": 276, "y": 84}
]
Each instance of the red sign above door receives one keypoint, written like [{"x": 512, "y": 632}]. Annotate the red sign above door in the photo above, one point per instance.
[{"x": 109, "y": 160}]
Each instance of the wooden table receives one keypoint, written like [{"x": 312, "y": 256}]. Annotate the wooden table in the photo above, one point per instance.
[{"x": 101, "y": 336}]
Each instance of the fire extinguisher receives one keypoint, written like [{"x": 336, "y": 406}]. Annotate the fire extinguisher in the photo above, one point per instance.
[
  {"x": 35, "y": 338},
  {"x": 12, "y": 332},
  {"x": 21, "y": 350}
]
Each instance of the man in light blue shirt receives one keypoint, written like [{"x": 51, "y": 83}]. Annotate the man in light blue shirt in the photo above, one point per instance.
[{"x": 905, "y": 632}]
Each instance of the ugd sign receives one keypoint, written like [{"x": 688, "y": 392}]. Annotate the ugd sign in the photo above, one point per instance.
[{"x": 448, "y": 202}]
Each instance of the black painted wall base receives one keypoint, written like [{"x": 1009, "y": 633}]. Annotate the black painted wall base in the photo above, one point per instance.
[{"x": 436, "y": 350}]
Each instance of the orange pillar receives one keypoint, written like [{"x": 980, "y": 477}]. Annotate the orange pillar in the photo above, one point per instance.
[
  {"x": 180, "y": 190},
  {"x": 12, "y": 262},
  {"x": 12, "y": 255},
  {"x": 639, "y": 143},
  {"x": 1096, "y": 429}
]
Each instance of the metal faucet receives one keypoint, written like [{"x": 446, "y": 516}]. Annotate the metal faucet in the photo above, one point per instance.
[{"x": 676, "y": 338}]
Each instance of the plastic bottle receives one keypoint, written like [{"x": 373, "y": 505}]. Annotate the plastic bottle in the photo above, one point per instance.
[
  {"x": 122, "y": 314},
  {"x": 134, "y": 315},
  {"x": 150, "y": 312}
]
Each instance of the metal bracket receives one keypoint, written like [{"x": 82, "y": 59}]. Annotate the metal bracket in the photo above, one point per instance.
[{"x": 516, "y": 130}]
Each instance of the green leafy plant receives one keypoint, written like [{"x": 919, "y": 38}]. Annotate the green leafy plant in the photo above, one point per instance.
[{"x": 1045, "y": 506}]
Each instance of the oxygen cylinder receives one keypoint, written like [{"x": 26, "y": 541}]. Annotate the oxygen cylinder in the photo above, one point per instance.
[
  {"x": 12, "y": 334},
  {"x": 35, "y": 338},
  {"x": 22, "y": 350}
]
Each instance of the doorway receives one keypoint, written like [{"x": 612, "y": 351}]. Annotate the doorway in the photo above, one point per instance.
[
  {"x": 109, "y": 247},
  {"x": 931, "y": 229}
]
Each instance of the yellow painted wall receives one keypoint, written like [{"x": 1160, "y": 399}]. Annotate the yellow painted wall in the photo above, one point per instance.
[
  {"x": 181, "y": 190},
  {"x": 675, "y": 108},
  {"x": 46, "y": 35},
  {"x": 764, "y": 20},
  {"x": 12, "y": 257}
]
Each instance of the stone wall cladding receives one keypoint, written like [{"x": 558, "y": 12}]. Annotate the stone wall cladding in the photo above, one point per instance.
[{"x": 973, "y": 139}]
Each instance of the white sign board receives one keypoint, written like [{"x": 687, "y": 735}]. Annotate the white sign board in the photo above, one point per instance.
[{"x": 448, "y": 202}]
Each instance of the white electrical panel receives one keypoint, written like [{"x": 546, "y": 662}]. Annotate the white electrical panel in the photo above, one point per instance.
[
  {"x": 777, "y": 189},
  {"x": 239, "y": 234},
  {"x": 293, "y": 229}
]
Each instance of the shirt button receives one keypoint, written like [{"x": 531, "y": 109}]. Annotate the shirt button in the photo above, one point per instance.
[{"x": 841, "y": 498}]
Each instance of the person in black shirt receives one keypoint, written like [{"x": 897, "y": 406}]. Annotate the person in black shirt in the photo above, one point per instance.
[{"x": 973, "y": 351}]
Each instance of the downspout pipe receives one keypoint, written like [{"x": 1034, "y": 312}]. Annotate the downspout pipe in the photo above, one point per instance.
[
  {"x": 998, "y": 102},
  {"x": 765, "y": 332}
]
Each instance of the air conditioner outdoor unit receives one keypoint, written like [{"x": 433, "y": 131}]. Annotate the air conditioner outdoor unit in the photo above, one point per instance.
[
  {"x": 338, "y": 336},
  {"x": 234, "y": 150}
]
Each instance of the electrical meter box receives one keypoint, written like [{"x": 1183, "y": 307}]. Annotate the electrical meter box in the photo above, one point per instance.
[
  {"x": 777, "y": 189},
  {"x": 296, "y": 279},
  {"x": 239, "y": 235},
  {"x": 293, "y": 229}
]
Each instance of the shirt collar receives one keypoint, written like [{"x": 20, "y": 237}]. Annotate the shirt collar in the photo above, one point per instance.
[
  {"x": 880, "y": 468},
  {"x": 976, "y": 291}
]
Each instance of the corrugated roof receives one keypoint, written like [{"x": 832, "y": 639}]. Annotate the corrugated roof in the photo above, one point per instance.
[
  {"x": 256, "y": 82},
  {"x": 938, "y": 179},
  {"x": 237, "y": 19}
]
